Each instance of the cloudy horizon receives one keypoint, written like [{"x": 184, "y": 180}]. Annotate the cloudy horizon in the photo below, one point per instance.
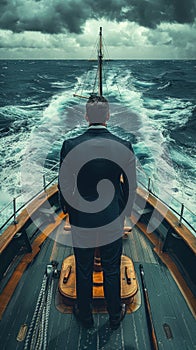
[{"x": 67, "y": 29}]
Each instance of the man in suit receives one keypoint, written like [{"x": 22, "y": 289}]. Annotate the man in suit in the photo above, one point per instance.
[{"x": 92, "y": 166}]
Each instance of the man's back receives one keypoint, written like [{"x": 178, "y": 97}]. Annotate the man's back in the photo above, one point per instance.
[{"x": 92, "y": 165}]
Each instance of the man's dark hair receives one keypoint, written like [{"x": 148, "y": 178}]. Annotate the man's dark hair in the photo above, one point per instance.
[{"x": 97, "y": 109}]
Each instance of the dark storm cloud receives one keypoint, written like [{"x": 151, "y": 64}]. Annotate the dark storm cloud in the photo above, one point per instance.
[
  {"x": 59, "y": 15},
  {"x": 185, "y": 10},
  {"x": 150, "y": 13}
]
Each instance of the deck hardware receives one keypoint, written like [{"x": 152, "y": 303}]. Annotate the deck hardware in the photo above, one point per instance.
[
  {"x": 76, "y": 95},
  {"x": 67, "y": 273},
  {"x": 181, "y": 215},
  {"x": 49, "y": 269},
  {"x": 44, "y": 182},
  {"x": 22, "y": 332},
  {"x": 14, "y": 208},
  {"x": 127, "y": 275},
  {"x": 175, "y": 235},
  {"x": 18, "y": 235},
  {"x": 56, "y": 273},
  {"x": 98, "y": 284},
  {"x": 149, "y": 180},
  {"x": 149, "y": 318},
  {"x": 168, "y": 331},
  {"x": 54, "y": 263}
]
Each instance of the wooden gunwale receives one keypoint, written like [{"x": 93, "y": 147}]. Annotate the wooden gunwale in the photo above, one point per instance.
[
  {"x": 24, "y": 216},
  {"x": 182, "y": 230}
]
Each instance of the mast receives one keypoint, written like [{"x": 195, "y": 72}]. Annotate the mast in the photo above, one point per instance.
[
  {"x": 100, "y": 60},
  {"x": 99, "y": 70}
]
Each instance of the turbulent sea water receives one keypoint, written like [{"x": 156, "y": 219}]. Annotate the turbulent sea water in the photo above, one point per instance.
[{"x": 153, "y": 103}]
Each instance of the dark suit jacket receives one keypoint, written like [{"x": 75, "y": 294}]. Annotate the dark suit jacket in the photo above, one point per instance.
[{"x": 86, "y": 161}]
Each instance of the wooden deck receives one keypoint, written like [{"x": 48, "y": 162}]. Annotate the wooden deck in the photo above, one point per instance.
[{"x": 174, "y": 323}]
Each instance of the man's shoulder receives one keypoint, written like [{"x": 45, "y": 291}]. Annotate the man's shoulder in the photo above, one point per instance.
[
  {"x": 125, "y": 142},
  {"x": 85, "y": 136},
  {"x": 73, "y": 141}
]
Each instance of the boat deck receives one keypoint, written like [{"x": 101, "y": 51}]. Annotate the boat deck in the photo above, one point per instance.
[{"x": 173, "y": 322}]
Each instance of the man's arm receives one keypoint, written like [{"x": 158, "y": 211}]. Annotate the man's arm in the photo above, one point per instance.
[
  {"x": 66, "y": 179},
  {"x": 62, "y": 201},
  {"x": 129, "y": 185}
]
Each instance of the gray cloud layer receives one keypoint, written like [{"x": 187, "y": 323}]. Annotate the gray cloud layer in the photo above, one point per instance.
[{"x": 57, "y": 16}]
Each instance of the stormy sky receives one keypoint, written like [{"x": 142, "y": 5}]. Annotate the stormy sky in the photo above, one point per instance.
[{"x": 65, "y": 29}]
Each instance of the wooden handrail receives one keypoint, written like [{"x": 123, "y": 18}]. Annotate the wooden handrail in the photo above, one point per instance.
[
  {"x": 24, "y": 216},
  {"x": 181, "y": 230}
]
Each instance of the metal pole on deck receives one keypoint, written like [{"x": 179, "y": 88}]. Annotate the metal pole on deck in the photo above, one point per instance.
[
  {"x": 151, "y": 329},
  {"x": 181, "y": 215},
  {"x": 14, "y": 208},
  {"x": 44, "y": 181},
  {"x": 149, "y": 184}
]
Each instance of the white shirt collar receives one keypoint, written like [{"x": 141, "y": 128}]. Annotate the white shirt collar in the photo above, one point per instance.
[{"x": 97, "y": 127}]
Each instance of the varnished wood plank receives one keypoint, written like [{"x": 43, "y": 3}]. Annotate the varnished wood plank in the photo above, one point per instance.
[{"x": 68, "y": 289}]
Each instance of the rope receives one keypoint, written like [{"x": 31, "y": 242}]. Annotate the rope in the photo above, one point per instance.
[
  {"x": 34, "y": 318},
  {"x": 48, "y": 305},
  {"x": 38, "y": 331}
]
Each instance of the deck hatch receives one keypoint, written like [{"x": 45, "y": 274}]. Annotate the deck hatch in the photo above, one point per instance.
[
  {"x": 168, "y": 331},
  {"x": 22, "y": 332}
]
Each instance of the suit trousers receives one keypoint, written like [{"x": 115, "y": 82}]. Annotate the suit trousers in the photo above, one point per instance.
[{"x": 110, "y": 260}]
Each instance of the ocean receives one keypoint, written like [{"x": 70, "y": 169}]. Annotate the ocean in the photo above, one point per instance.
[{"x": 152, "y": 102}]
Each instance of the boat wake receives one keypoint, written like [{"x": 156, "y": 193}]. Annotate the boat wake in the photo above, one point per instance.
[{"x": 159, "y": 121}]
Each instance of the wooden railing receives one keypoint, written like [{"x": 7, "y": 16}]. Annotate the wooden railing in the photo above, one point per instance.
[{"x": 183, "y": 214}]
